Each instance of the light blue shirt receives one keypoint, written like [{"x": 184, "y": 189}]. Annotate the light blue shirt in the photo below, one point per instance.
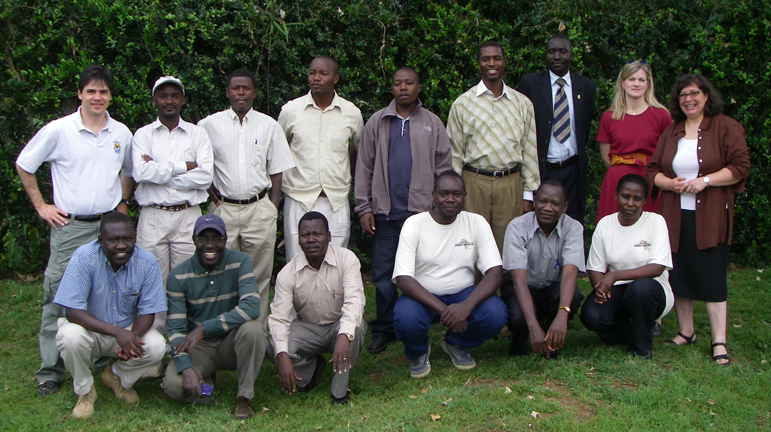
[
  {"x": 115, "y": 297},
  {"x": 558, "y": 151}
]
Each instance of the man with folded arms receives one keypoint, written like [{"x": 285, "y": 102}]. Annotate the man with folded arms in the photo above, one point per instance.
[
  {"x": 544, "y": 251},
  {"x": 90, "y": 157},
  {"x": 212, "y": 322},
  {"x": 323, "y": 285},
  {"x": 110, "y": 292},
  {"x": 435, "y": 268}
]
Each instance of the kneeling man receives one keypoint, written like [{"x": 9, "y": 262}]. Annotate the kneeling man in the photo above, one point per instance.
[
  {"x": 435, "y": 270},
  {"x": 544, "y": 251},
  {"x": 323, "y": 285},
  {"x": 213, "y": 304},
  {"x": 111, "y": 291}
]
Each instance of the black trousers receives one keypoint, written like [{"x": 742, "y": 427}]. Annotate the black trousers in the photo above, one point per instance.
[
  {"x": 546, "y": 302},
  {"x": 628, "y": 316},
  {"x": 568, "y": 176}
]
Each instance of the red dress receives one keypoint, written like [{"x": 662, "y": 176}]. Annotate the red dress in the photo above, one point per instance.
[{"x": 632, "y": 142}]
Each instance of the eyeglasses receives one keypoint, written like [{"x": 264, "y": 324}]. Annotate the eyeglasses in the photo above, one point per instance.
[
  {"x": 203, "y": 241},
  {"x": 692, "y": 94}
]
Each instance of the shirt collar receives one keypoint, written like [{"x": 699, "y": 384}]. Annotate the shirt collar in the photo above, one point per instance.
[
  {"x": 330, "y": 258},
  {"x": 107, "y": 264},
  {"x": 81, "y": 126},
  {"x": 557, "y": 228},
  {"x": 482, "y": 89},
  {"x": 312, "y": 102},
  {"x": 553, "y": 78},
  {"x": 185, "y": 126},
  {"x": 390, "y": 110},
  {"x": 234, "y": 116}
]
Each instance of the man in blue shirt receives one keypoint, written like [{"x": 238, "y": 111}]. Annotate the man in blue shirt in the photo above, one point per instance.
[{"x": 111, "y": 291}]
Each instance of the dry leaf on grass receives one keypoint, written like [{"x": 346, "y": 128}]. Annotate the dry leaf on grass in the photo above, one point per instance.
[
  {"x": 435, "y": 417},
  {"x": 764, "y": 361},
  {"x": 758, "y": 279},
  {"x": 760, "y": 270},
  {"x": 412, "y": 397},
  {"x": 445, "y": 403},
  {"x": 423, "y": 390},
  {"x": 265, "y": 409},
  {"x": 506, "y": 390},
  {"x": 530, "y": 397},
  {"x": 535, "y": 414},
  {"x": 365, "y": 417},
  {"x": 710, "y": 401}
]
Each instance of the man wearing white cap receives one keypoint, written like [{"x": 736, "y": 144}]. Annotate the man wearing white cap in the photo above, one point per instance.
[{"x": 173, "y": 168}]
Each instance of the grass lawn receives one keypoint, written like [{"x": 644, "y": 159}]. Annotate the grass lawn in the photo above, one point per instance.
[{"x": 591, "y": 387}]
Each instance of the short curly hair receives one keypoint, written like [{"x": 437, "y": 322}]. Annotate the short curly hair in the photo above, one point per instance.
[{"x": 712, "y": 107}]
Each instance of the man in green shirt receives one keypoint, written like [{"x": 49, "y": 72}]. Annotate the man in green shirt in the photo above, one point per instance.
[{"x": 213, "y": 306}]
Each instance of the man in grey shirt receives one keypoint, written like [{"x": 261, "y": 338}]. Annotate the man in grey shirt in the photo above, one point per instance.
[{"x": 544, "y": 251}]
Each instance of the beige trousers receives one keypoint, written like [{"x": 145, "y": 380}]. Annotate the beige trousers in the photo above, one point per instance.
[
  {"x": 339, "y": 223},
  {"x": 78, "y": 346},
  {"x": 497, "y": 199}
]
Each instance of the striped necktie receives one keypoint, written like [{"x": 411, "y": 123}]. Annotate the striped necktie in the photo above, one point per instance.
[{"x": 561, "y": 127}]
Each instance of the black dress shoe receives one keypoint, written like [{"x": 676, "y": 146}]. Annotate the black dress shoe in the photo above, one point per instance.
[
  {"x": 320, "y": 363},
  {"x": 379, "y": 343},
  {"x": 341, "y": 400},
  {"x": 47, "y": 388}
]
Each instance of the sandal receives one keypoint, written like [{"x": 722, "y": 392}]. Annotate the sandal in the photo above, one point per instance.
[
  {"x": 720, "y": 356},
  {"x": 688, "y": 339}
]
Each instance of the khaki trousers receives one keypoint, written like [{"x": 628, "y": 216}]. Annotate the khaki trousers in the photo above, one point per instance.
[
  {"x": 78, "y": 346},
  {"x": 64, "y": 241},
  {"x": 339, "y": 223},
  {"x": 252, "y": 230},
  {"x": 497, "y": 199},
  {"x": 242, "y": 350},
  {"x": 169, "y": 237}
]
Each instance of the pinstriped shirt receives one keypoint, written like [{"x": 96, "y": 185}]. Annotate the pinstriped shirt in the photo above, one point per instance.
[
  {"x": 220, "y": 300},
  {"x": 115, "y": 297},
  {"x": 246, "y": 154},
  {"x": 493, "y": 134}
]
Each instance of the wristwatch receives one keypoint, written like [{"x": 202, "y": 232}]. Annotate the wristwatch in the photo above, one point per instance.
[
  {"x": 706, "y": 180},
  {"x": 567, "y": 309},
  {"x": 349, "y": 336}
]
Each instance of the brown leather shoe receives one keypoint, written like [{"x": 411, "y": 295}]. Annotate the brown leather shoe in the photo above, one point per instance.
[
  {"x": 85, "y": 406},
  {"x": 112, "y": 381},
  {"x": 243, "y": 409}
]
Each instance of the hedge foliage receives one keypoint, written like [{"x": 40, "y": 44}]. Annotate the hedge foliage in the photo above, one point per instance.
[{"x": 46, "y": 43}]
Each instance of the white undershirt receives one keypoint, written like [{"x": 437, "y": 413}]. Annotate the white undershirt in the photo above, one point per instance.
[{"x": 686, "y": 164}]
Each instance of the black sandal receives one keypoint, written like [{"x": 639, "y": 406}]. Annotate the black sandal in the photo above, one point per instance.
[
  {"x": 689, "y": 340},
  {"x": 715, "y": 358}
]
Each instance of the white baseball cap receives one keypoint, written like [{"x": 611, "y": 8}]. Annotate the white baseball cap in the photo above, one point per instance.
[{"x": 168, "y": 79}]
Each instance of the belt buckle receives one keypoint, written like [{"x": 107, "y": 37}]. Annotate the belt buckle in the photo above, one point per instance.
[{"x": 499, "y": 173}]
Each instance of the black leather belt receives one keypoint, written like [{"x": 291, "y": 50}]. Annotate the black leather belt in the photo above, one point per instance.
[
  {"x": 499, "y": 173},
  {"x": 245, "y": 200},
  {"x": 567, "y": 162},
  {"x": 87, "y": 218},
  {"x": 171, "y": 208}
]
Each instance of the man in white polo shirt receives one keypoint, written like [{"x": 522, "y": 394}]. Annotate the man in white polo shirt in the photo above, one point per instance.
[
  {"x": 323, "y": 131},
  {"x": 90, "y": 160},
  {"x": 250, "y": 155},
  {"x": 173, "y": 168}
]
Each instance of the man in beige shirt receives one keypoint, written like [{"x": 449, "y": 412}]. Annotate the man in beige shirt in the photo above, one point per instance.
[
  {"x": 323, "y": 132},
  {"x": 323, "y": 285}
]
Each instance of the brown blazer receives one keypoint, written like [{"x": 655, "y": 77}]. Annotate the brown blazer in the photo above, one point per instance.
[{"x": 721, "y": 145}]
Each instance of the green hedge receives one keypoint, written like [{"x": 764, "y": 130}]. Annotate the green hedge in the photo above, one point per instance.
[{"x": 46, "y": 43}]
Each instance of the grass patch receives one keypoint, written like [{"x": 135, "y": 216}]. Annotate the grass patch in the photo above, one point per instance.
[{"x": 591, "y": 386}]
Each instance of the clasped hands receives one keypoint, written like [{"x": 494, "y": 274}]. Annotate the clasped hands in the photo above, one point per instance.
[{"x": 679, "y": 185}]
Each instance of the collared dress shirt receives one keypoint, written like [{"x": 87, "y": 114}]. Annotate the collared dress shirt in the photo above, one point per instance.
[
  {"x": 492, "y": 134},
  {"x": 114, "y": 297},
  {"x": 84, "y": 165},
  {"x": 558, "y": 151},
  {"x": 319, "y": 141},
  {"x": 332, "y": 293},
  {"x": 526, "y": 247},
  {"x": 165, "y": 180},
  {"x": 246, "y": 154}
]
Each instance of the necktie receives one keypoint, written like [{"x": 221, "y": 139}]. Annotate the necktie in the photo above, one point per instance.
[{"x": 561, "y": 127}]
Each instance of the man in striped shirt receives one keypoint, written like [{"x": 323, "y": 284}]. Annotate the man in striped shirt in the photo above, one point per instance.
[
  {"x": 212, "y": 324},
  {"x": 492, "y": 136}
]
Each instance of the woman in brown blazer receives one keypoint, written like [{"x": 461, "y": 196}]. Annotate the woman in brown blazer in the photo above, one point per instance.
[{"x": 700, "y": 162}]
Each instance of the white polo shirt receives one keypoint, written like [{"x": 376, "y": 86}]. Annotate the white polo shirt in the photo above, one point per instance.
[
  {"x": 84, "y": 165},
  {"x": 165, "y": 180}
]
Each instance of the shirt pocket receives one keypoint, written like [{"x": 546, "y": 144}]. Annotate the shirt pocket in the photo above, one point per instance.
[
  {"x": 127, "y": 304},
  {"x": 259, "y": 153}
]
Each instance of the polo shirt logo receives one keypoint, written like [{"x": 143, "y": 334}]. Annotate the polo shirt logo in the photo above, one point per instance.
[
  {"x": 465, "y": 243},
  {"x": 643, "y": 244},
  {"x": 116, "y": 146}
]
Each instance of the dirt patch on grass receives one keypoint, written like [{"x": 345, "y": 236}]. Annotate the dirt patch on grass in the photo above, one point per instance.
[
  {"x": 580, "y": 410},
  {"x": 481, "y": 382},
  {"x": 375, "y": 377},
  {"x": 630, "y": 386}
]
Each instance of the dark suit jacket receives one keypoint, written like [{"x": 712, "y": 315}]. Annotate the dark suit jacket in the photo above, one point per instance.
[{"x": 537, "y": 87}]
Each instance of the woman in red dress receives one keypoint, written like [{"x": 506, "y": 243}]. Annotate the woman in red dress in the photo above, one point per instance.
[{"x": 629, "y": 131}]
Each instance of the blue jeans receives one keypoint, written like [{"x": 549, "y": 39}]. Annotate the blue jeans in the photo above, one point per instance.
[
  {"x": 384, "y": 245},
  {"x": 412, "y": 321}
]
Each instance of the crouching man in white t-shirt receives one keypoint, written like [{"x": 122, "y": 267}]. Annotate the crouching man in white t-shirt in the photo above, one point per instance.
[{"x": 435, "y": 270}]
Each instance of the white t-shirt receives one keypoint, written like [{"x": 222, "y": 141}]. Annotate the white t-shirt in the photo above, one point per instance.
[
  {"x": 686, "y": 164},
  {"x": 616, "y": 247},
  {"x": 442, "y": 257},
  {"x": 84, "y": 165}
]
